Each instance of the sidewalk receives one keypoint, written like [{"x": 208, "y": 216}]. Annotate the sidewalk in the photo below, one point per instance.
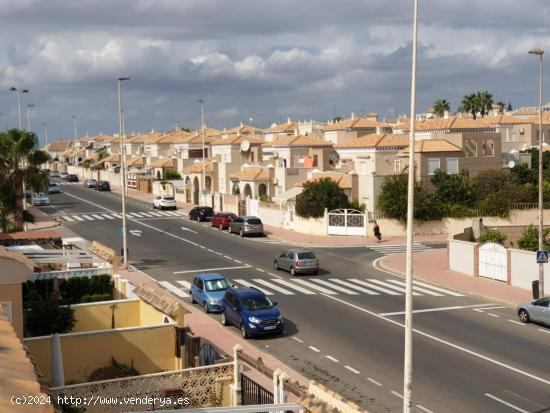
[
  {"x": 42, "y": 221},
  {"x": 432, "y": 266}
]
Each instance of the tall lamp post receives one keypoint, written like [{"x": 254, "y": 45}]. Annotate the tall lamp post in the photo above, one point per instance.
[
  {"x": 407, "y": 370},
  {"x": 45, "y": 133},
  {"x": 123, "y": 172},
  {"x": 74, "y": 126},
  {"x": 203, "y": 184},
  {"x": 540, "y": 53},
  {"x": 29, "y": 106},
  {"x": 19, "y": 92}
]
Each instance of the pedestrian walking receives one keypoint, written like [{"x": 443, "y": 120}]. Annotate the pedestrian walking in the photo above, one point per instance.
[{"x": 377, "y": 233}]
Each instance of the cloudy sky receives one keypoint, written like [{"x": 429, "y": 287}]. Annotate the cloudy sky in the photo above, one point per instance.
[{"x": 257, "y": 59}]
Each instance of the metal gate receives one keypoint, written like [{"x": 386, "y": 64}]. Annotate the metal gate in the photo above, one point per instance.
[
  {"x": 346, "y": 222},
  {"x": 253, "y": 393},
  {"x": 493, "y": 261}
]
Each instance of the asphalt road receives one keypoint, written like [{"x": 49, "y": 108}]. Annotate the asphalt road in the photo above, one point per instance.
[{"x": 345, "y": 325}]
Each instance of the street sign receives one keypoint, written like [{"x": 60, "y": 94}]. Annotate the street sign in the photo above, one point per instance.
[{"x": 542, "y": 257}]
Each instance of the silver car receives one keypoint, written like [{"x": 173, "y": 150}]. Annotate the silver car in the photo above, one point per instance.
[
  {"x": 538, "y": 311},
  {"x": 247, "y": 226},
  {"x": 297, "y": 261},
  {"x": 40, "y": 199}
]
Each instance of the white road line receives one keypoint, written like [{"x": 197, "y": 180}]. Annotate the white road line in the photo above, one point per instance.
[
  {"x": 374, "y": 287},
  {"x": 429, "y": 310},
  {"x": 493, "y": 315},
  {"x": 493, "y": 307},
  {"x": 173, "y": 289},
  {"x": 174, "y": 214},
  {"x": 374, "y": 381},
  {"x": 355, "y": 287},
  {"x": 335, "y": 287},
  {"x": 249, "y": 285},
  {"x": 420, "y": 289},
  {"x": 89, "y": 218},
  {"x": 314, "y": 349},
  {"x": 107, "y": 216},
  {"x": 184, "y": 283},
  {"x": 67, "y": 218},
  {"x": 117, "y": 215},
  {"x": 297, "y": 339},
  {"x": 273, "y": 286},
  {"x": 202, "y": 247},
  {"x": 135, "y": 214},
  {"x": 396, "y": 394},
  {"x": 332, "y": 359},
  {"x": 228, "y": 257},
  {"x": 156, "y": 214},
  {"x": 352, "y": 370},
  {"x": 163, "y": 213},
  {"x": 97, "y": 216},
  {"x": 395, "y": 287},
  {"x": 211, "y": 269},
  {"x": 543, "y": 330},
  {"x": 219, "y": 253},
  {"x": 516, "y": 322},
  {"x": 291, "y": 285},
  {"x": 78, "y": 218},
  {"x": 147, "y": 214},
  {"x": 510, "y": 405},
  {"x": 259, "y": 269},
  {"x": 236, "y": 260},
  {"x": 441, "y": 290},
  {"x": 420, "y": 407},
  {"x": 415, "y": 244},
  {"x": 315, "y": 287}
]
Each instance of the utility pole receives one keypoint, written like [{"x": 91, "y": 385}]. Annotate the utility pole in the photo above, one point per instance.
[
  {"x": 45, "y": 133},
  {"x": 29, "y": 106},
  {"x": 408, "y": 368},
  {"x": 203, "y": 184},
  {"x": 74, "y": 124},
  {"x": 123, "y": 172}
]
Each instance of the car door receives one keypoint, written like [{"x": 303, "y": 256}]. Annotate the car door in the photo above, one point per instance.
[
  {"x": 200, "y": 291},
  {"x": 231, "y": 309},
  {"x": 281, "y": 259},
  {"x": 541, "y": 311},
  {"x": 289, "y": 260},
  {"x": 194, "y": 288}
]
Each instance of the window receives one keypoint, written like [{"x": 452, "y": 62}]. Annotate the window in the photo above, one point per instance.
[
  {"x": 433, "y": 165},
  {"x": 452, "y": 166},
  {"x": 217, "y": 285},
  {"x": 397, "y": 166}
]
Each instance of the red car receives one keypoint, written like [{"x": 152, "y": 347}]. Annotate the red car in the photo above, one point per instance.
[{"x": 222, "y": 219}]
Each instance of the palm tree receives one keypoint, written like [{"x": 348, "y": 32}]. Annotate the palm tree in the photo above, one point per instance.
[
  {"x": 470, "y": 104},
  {"x": 485, "y": 102},
  {"x": 20, "y": 162},
  {"x": 501, "y": 106},
  {"x": 441, "y": 106}
]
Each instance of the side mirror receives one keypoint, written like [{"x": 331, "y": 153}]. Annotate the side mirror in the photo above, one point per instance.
[{"x": 274, "y": 302}]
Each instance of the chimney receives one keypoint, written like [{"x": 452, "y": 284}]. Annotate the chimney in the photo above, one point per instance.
[
  {"x": 446, "y": 114},
  {"x": 296, "y": 132},
  {"x": 288, "y": 120},
  {"x": 353, "y": 115},
  {"x": 242, "y": 125}
]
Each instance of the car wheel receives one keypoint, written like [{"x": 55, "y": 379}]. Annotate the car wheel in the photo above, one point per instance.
[
  {"x": 524, "y": 316},
  {"x": 292, "y": 271},
  {"x": 221, "y": 227},
  {"x": 316, "y": 272},
  {"x": 241, "y": 233},
  {"x": 244, "y": 334},
  {"x": 205, "y": 306},
  {"x": 192, "y": 299},
  {"x": 224, "y": 320},
  {"x": 276, "y": 265}
]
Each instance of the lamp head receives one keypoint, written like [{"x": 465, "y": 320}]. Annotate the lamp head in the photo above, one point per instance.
[
  {"x": 25, "y": 91},
  {"x": 122, "y": 79},
  {"x": 538, "y": 52},
  {"x": 12, "y": 89}
]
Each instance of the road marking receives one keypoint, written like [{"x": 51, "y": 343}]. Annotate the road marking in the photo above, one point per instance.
[
  {"x": 397, "y": 394},
  {"x": 202, "y": 247},
  {"x": 422, "y": 290},
  {"x": 78, "y": 218},
  {"x": 297, "y": 339},
  {"x": 334, "y": 287},
  {"x": 355, "y": 287},
  {"x": 374, "y": 381},
  {"x": 117, "y": 215},
  {"x": 236, "y": 260},
  {"x": 543, "y": 330},
  {"x": 441, "y": 290},
  {"x": 66, "y": 218},
  {"x": 352, "y": 370},
  {"x": 273, "y": 286},
  {"x": 395, "y": 287},
  {"x": 174, "y": 214},
  {"x": 420, "y": 407},
  {"x": 89, "y": 218},
  {"x": 107, "y": 216},
  {"x": 374, "y": 287},
  {"x": 493, "y": 315},
  {"x": 315, "y": 287},
  {"x": 259, "y": 269},
  {"x": 219, "y": 253},
  {"x": 156, "y": 214},
  {"x": 516, "y": 322},
  {"x": 428, "y": 310},
  {"x": 135, "y": 232},
  {"x": 510, "y": 405},
  {"x": 490, "y": 308},
  {"x": 332, "y": 359},
  {"x": 291, "y": 285},
  {"x": 228, "y": 257},
  {"x": 315, "y": 349},
  {"x": 189, "y": 229},
  {"x": 147, "y": 214},
  {"x": 134, "y": 215},
  {"x": 211, "y": 269},
  {"x": 173, "y": 289},
  {"x": 186, "y": 284},
  {"x": 97, "y": 216},
  {"x": 249, "y": 285}
]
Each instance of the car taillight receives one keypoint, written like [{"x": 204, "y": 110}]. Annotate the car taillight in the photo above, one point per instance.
[
  {"x": 298, "y": 264},
  {"x": 316, "y": 262}
]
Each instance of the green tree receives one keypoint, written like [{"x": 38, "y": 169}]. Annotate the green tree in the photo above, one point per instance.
[
  {"x": 530, "y": 239},
  {"x": 501, "y": 105},
  {"x": 509, "y": 108},
  {"x": 485, "y": 102},
  {"x": 318, "y": 195},
  {"x": 45, "y": 316},
  {"x": 470, "y": 104},
  {"x": 171, "y": 174},
  {"x": 440, "y": 106},
  {"x": 455, "y": 189},
  {"x": 337, "y": 119},
  {"x": 522, "y": 174},
  {"x": 492, "y": 235},
  {"x": 20, "y": 161}
]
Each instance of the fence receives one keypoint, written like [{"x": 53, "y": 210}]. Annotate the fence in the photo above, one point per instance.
[
  {"x": 86, "y": 272},
  {"x": 253, "y": 393}
]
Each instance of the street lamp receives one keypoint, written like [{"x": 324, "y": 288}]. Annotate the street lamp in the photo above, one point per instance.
[
  {"x": 203, "y": 185},
  {"x": 407, "y": 365},
  {"x": 29, "y": 106},
  {"x": 74, "y": 124},
  {"x": 45, "y": 133},
  {"x": 19, "y": 92},
  {"x": 123, "y": 172},
  {"x": 540, "y": 53}
]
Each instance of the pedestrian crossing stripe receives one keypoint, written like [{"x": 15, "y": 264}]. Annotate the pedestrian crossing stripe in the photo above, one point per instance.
[
  {"x": 331, "y": 286},
  {"x": 131, "y": 215},
  {"x": 395, "y": 248}
]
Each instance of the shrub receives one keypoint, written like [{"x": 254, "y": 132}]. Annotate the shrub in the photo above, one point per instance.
[
  {"x": 171, "y": 174},
  {"x": 530, "y": 239},
  {"x": 324, "y": 193},
  {"x": 264, "y": 198},
  {"x": 92, "y": 298},
  {"x": 492, "y": 235},
  {"x": 359, "y": 206},
  {"x": 45, "y": 316}
]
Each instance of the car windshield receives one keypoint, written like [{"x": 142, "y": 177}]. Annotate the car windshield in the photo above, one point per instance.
[
  {"x": 306, "y": 256},
  {"x": 53, "y": 185},
  {"x": 256, "y": 303},
  {"x": 168, "y": 198},
  {"x": 217, "y": 285},
  {"x": 253, "y": 221}
]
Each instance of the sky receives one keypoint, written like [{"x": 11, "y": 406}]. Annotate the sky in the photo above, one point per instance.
[{"x": 256, "y": 61}]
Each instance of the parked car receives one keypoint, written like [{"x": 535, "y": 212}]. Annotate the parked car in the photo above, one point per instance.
[
  {"x": 201, "y": 213},
  {"x": 46, "y": 171},
  {"x": 208, "y": 290},
  {"x": 538, "y": 311},
  {"x": 103, "y": 186},
  {"x": 90, "y": 183},
  {"x": 53, "y": 188},
  {"x": 28, "y": 193},
  {"x": 71, "y": 178},
  {"x": 63, "y": 175},
  {"x": 222, "y": 219},
  {"x": 164, "y": 202},
  {"x": 297, "y": 261},
  {"x": 40, "y": 198},
  {"x": 54, "y": 174},
  {"x": 247, "y": 226},
  {"x": 252, "y": 312}
]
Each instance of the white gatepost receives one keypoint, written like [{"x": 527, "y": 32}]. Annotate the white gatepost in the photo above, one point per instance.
[{"x": 235, "y": 387}]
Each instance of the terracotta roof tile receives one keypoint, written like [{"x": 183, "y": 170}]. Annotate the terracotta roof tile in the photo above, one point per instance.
[
  {"x": 356, "y": 123},
  {"x": 253, "y": 173},
  {"x": 434, "y": 145},
  {"x": 197, "y": 168},
  {"x": 282, "y": 127},
  {"x": 337, "y": 178},
  {"x": 162, "y": 163},
  {"x": 295, "y": 141},
  {"x": 135, "y": 161},
  {"x": 103, "y": 138},
  {"x": 237, "y": 139},
  {"x": 59, "y": 146},
  {"x": 377, "y": 141},
  {"x": 112, "y": 158}
]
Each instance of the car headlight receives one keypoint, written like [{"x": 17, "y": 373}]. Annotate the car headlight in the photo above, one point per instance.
[
  {"x": 254, "y": 320},
  {"x": 280, "y": 318},
  {"x": 212, "y": 301}
]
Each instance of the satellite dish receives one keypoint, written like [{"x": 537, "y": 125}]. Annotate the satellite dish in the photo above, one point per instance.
[
  {"x": 514, "y": 151},
  {"x": 245, "y": 146},
  {"x": 334, "y": 157},
  {"x": 315, "y": 171},
  {"x": 246, "y": 165},
  {"x": 511, "y": 164}
]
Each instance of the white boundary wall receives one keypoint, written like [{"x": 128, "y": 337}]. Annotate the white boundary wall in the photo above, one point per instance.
[{"x": 462, "y": 256}]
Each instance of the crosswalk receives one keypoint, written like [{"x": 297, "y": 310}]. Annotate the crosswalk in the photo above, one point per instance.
[
  {"x": 330, "y": 286},
  {"x": 100, "y": 216},
  {"x": 395, "y": 248}
]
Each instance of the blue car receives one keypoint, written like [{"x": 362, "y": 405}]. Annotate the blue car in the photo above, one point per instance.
[
  {"x": 251, "y": 311},
  {"x": 208, "y": 290}
]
